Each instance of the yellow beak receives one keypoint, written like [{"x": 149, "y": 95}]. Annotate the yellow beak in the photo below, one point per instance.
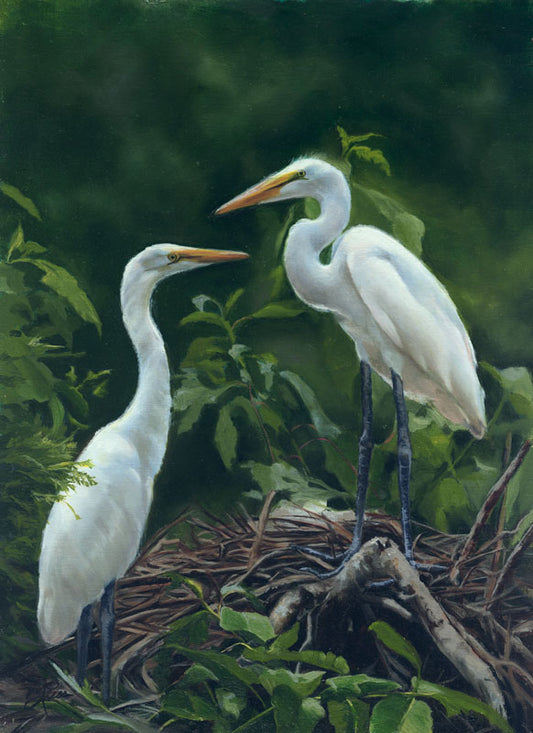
[
  {"x": 209, "y": 256},
  {"x": 267, "y": 189}
]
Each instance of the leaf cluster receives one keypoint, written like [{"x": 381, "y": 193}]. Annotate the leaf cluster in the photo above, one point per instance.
[
  {"x": 257, "y": 682},
  {"x": 42, "y": 403},
  {"x": 258, "y": 415}
]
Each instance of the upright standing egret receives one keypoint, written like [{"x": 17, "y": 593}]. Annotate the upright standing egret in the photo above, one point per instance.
[
  {"x": 402, "y": 320},
  {"x": 93, "y": 536}
]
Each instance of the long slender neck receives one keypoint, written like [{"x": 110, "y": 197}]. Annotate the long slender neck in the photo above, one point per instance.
[
  {"x": 147, "y": 418},
  {"x": 308, "y": 237}
]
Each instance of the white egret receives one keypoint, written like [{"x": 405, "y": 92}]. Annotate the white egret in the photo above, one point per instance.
[
  {"x": 402, "y": 320},
  {"x": 93, "y": 535}
]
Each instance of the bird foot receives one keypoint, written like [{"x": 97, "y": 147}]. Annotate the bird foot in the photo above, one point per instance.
[
  {"x": 326, "y": 557},
  {"x": 343, "y": 559}
]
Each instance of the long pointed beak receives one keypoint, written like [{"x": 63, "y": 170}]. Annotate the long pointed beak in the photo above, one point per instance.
[
  {"x": 267, "y": 189},
  {"x": 211, "y": 256}
]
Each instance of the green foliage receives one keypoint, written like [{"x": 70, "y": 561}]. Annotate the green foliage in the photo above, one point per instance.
[
  {"x": 256, "y": 677},
  {"x": 42, "y": 403},
  {"x": 256, "y": 411}
]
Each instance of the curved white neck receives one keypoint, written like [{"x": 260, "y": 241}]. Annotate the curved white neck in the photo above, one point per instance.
[
  {"x": 147, "y": 418},
  {"x": 308, "y": 237}
]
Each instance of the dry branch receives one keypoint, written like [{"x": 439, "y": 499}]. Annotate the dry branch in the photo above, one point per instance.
[{"x": 490, "y": 502}]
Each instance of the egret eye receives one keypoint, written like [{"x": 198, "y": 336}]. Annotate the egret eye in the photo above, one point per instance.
[
  {"x": 172, "y": 257},
  {"x": 301, "y": 174}
]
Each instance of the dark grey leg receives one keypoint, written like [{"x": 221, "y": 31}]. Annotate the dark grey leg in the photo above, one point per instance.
[
  {"x": 107, "y": 625},
  {"x": 404, "y": 462},
  {"x": 365, "y": 453},
  {"x": 83, "y": 634}
]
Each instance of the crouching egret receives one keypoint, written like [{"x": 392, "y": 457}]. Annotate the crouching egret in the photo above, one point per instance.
[
  {"x": 402, "y": 320},
  {"x": 93, "y": 536}
]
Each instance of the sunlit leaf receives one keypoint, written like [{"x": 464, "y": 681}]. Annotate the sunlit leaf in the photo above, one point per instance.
[
  {"x": 458, "y": 702},
  {"x": 16, "y": 242},
  {"x": 357, "y": 685},
  {"x": 280, "y": 309},
  {"x": 349, "y": 716},
  {"x": 65, "y": 285},
  {"x": 231, "y": 302},
  {"x": 401, "y": 715},
  {"x": 325, "y": 660},
  {"x": 302, "y": 683},
  {"x": 16, "y": 195},
  {"x": 394, "y": 641},
  {"x": 255, "y": 624}
]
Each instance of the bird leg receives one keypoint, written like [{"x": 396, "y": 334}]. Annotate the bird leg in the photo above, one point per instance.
[
  {"x": 83, "y": 634},
  {"x": 404, "y": 472},
  {"x": 107, "y": 624},
  {"x": 365, "y": 452},
  {"x": 404, "y": 461}
]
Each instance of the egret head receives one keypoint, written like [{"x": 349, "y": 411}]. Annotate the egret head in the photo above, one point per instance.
[
  {"x": 304, "y": 177},
  {"x": 159, "y": 261},
  {"x": 164, "y": 260}
]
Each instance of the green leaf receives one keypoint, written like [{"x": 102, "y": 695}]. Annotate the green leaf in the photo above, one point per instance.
[
  {"x": 348, "y": 140},
  {"x": 255, "y": 624},
  {"x": 325, "y": 427},
  {"x": 407, "y": 227},
  {"x": 64, "y": 284},
  {"x": 226, "y": 437},
  {"x": 280, "y": 309},
  {"x": 456, "y": 703},
  {"x": 201, "y": 302},
  {"x": 231, "y": 302},
  {"x": 410, "y": 230},
  {"x": 370, "y": 155},
  {"x": 326, "y": 660},
  {"x": 293, "y": 714},
  {"x": 302, "y": 683},
  {"x": 226, "y": 668},
  {"x": 357, "y": 685},
  {"x": 25, "y": 379},
  {"x": 401, "y": 715},
  {"x": 190, "y": 706},
  {"x": 397, "y": 643},
  {"x": 230, "y": 703},
  {"x": 349, "y": 716},
  {"x": 286, "y": 705},
  {"x": 190, "y": 629},
  {"x": 196, "y": 674},
  {"x": 16, "y": 195},
  {"x": 16, "y": 242},
  {"x": 207, "y": 317},
  {"x": 285, "y": 640},
  {"x": 191, "y": 398},
  {"x": 518, "y": 388}
]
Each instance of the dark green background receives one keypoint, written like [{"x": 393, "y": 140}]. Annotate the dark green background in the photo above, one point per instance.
[{"x": 128, "y": 122}]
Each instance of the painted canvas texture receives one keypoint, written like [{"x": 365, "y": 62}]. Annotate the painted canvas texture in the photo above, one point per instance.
[{"x": 259, "y": 259}]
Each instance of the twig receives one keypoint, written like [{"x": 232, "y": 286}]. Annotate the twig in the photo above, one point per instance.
[
  {"x": 485, "y": 511},
  {"x": 512, "y": 561},
  {"x": 260, "y": 528}
]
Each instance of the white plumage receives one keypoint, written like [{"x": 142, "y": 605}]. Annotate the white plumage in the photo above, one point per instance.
[
  {"x": 93, "y": 535},
  {"x": 401, "y": 319}
]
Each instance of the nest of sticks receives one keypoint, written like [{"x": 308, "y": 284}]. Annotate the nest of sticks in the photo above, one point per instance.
[{"x": 471, "y": 624}]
